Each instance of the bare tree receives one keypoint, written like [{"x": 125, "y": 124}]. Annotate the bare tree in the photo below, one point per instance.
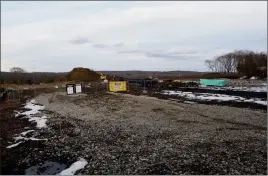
[
  {"x": 17, "y": 70},
  {"x": 226, "y": 63},
  {"x": 19, "y": 73},
  {"x": 240, "y": 61},
  {"x": 210, "y": 64},
  {"x": 229, "y": 62}
]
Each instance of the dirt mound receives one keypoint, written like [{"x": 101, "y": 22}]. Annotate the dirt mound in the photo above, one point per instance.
[{"x": 82, "y": 74}]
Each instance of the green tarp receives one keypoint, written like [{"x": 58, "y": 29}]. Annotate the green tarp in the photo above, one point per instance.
[{"x": 213, "y": 82}]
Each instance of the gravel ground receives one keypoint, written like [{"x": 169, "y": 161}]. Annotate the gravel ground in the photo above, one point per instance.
[
  {"x": 245, "y": 82},
  {"x": 126, "y": 134}
]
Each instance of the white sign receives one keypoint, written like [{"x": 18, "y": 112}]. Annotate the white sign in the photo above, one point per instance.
[
  {"x": 78, "y": 88},
  {"x": 70, "y": 90}
]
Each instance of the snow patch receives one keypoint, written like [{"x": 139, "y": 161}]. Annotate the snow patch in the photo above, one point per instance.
[
  {"x": 250, "y": 89},
  {"x": 209, "y": 97},
  {"x": 262, "y": 88},
  {"x": 32, "y": 114},
  {"x": 40, "y": 121},
  {"x": 14, "y": 145},
  {"x": 253, "y": 77},
  {"x": 261, "y": 102},
  {"x": 26, "y": 132},
  {"x": 189, "y": 102},
  {"x": 34, "y": 109},
  {"x": 80, "y": 164},
  {"x": 258, "y": 89},
  {"x": 215, "y": 97},
  {"x": 27, "y": 139}
]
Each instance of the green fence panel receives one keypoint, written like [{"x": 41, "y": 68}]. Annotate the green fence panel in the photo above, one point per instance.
[{"x": 213, "y": 82}]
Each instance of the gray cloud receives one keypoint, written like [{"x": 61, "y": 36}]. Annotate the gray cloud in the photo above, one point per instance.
[
  {"x": 100, "y": 45},
  {"x": 118, "y": 44},
  {"x": 171, "y": 56},
  {"x": 129, "y": 51},
  {"x": 176, "y": 55},
  {"x": 184, "y": 52},
  {"x": 80, "y": 41}
]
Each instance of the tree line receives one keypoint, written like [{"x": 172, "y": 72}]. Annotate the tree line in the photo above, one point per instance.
[
  {"x": 239, "y": 62},
  {"x": 244, "y": 62},
  {"x": 19, "y": 75}
]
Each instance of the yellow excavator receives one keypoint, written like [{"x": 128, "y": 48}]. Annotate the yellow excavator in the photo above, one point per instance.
[{"x": 102, "y": 77}]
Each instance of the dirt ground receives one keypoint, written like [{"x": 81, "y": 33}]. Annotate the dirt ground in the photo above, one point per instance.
[
  {"x": 127, "y": 134},
  {"x": 10, "y": 126}
]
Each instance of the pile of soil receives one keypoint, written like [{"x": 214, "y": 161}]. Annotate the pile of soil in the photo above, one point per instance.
[{"x": 83, "y": 74}]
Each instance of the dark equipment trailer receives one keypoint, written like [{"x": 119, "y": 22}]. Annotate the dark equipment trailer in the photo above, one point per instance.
[{"x": 143, "y": 83}]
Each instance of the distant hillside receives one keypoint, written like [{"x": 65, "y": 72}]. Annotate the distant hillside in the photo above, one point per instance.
[
  {"x": 47, "y": 77},
  {"x": 33, "y": 77},
  {"x": 157, "y": 74}
]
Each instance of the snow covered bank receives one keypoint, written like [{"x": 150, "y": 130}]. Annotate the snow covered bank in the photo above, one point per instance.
[
  {"x": 80, "y": 164},
  {"x": 262, "y": 88},
  {"x": 208, "y": 97},
  {"x": 250, "y": 89}
]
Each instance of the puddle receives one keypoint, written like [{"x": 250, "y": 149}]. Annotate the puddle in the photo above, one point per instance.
[{"x": 48, "y": 168}]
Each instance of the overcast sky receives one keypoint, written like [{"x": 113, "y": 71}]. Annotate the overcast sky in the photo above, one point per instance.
[{"x": 176, "y": 35}]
